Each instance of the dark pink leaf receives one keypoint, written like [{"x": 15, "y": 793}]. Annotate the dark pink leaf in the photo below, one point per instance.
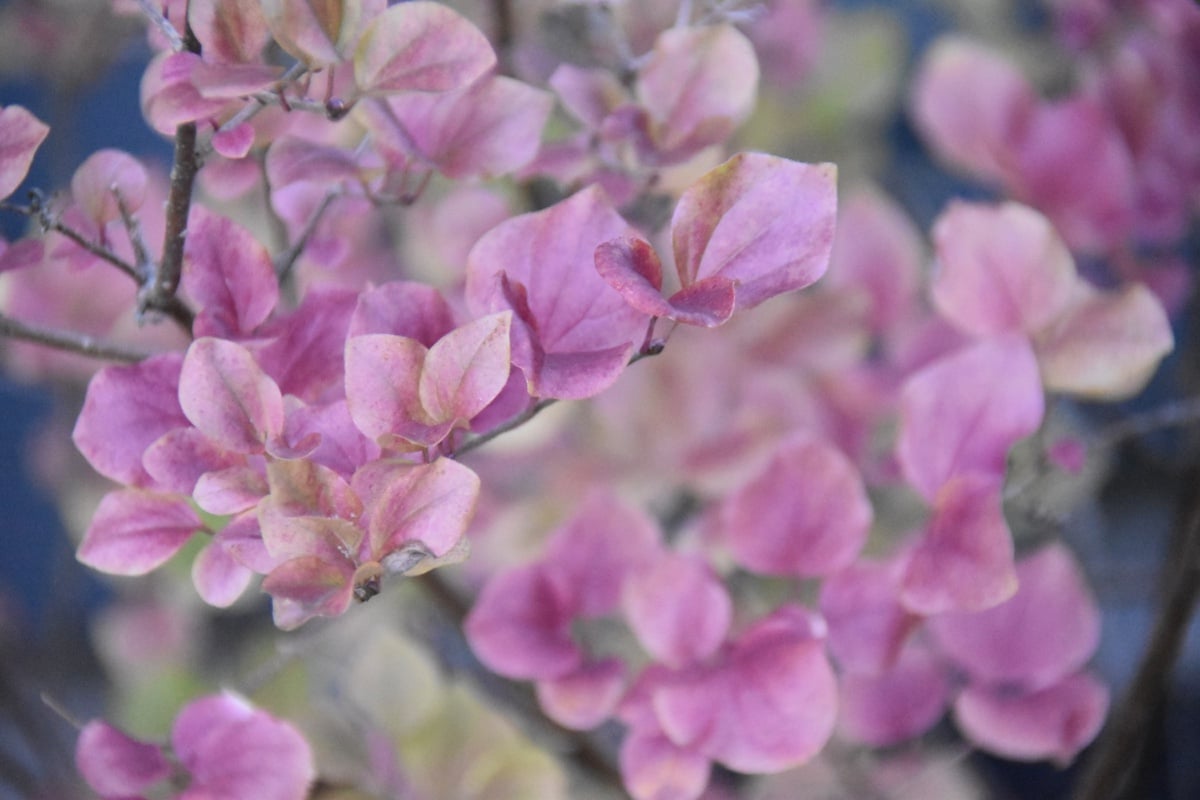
[
  {"x": 899, "y": 704},
  {"x": 867, "y": 623},
  {"x": 652, "y": 768},
  {"x": 1054, "y": 723},
  {"x": 126, "y": 409},
  {"x": 420, "y": 46},
  {"x": 631, "y": 266},
  {"x": 1048, "y": 629},
  {"x": 492, "y": 127},
  {"x": 21, "y": 253},
  {"x": 229, "y": 274},
  {"x": 219, "y": 579},
  {"x": 697, "y": 84},
  {"x": 1001, "y": 269},
  {"x": 574, "y": 332},
  {"x": 225, "y": 394},
  {"x": 678, "y": 608},
  {"x": 303, "y": 352},
  {"x": 233, "y": 750},
  {"x": 585, "y": 698},
  {"x": 520, "y": 626},
  {"x": 772, "y": 528},
  {"x": 963, "y": 412},
  {"x": 1107, "y": 345},
  {"x": 964, "y": 562},
  {"x": 427, "y": 503},
  {"x": 105, "y": 175},
  {"x": 20, "y": 135},
  {"x": 761, "y": 221},
  {"x": 116, "y": 765},
  {"x": 403, "y": 308},
  {"x": 133, "y": 532}
]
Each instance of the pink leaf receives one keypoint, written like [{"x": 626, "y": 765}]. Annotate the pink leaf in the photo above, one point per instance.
[
  {"x": 229, "y": 274},
  {"x": 631, "y": 266},
  {"x": 335, "y": 541},
  {"x": 229, "y": 491},
  {"x": 229, "y": 31},
  {"x": 225, "y": 394},
  {"x": 520, "y": 626},
  {"x": 305, "y": 488},
  {"x": 403, "y": 308},
  {"x": 492, "y": 127},
  {"x": 1001, "y": 269},
  {"x": 427, "y": 503},
  {"x": 420, "y": 46},
  {"x": 678, "y": 609},
  {"x": 466, "y": 369},
  {"x": 964, "y": 411},
  {"x": 383, "y": 375},
  {"x": 309, "y": 586},
  {"x": 314, "y": 31},
  {"x": 168, "y": 97},
  {"x": 116, "y": 765},
  {"x": 901, "y": 703},
  {"x": 303, "y": 351},
  {"x": 178, "y": 458},
  {"x": 232, "y": 750},
  {"x": 235, "y": 142},
  {"x": 20, "y": 135},
  {"x": 764, "y": 222},
  {"x": 584, "y": 698},
  {"x": 126, "y": 409},
  {"x": 105, "y": 175},
  {"x": 1048, "y": 629},
  {"x": 1107, "y": 345},
  {"x": 219, "y": 579},
  {"x": 867, "y": 623},
  {"x": 133, "y": 532},
  {"x": 652, "y": 768},
  {"x": 1053, "y": 723},
  {"x": 964, "y": 562},
  {"x": 573, "y": 333},
  {"x": 698, "y": 84},
  {"x": 806, "y": 513},
  {"x": 292, "y": 159},
  {"x": 230, "y": 82}
]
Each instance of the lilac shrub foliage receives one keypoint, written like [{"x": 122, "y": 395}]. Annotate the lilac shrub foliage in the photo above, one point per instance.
[{"x": 312, "y": 415}]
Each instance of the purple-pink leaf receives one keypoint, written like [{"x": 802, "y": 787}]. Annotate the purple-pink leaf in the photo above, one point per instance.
[
  {"x": 426, "y": 503},
  {"x": 520, "y": 626},
  {"x": 632, "y": 267},
  {"x": 20, "y": 135},
  {"x": 1048, "y": 629},
  {"x": 225, "y": 394},
  {"x": 678, "y": 608},
  {"x": 219, "y": 579},
  {"x": 964, "y": 562},
  {"x": 420, "y": 46},
  {"x": 761, "y": 221},
  {"x": 1054, "y": 723},
  {"x": 492, "y": 127},
  {"x": 126, "y": 409},
  {"x": 867, "y": 623},
  {"x": 1107, "y": 344},
  {"x": 652, "y": 768},
  {"x": 233, "y": 749},
  {"x": 303, "y": 352},
  {"x": 133, "y": 532},
  {"x": 896, "y": 705},
  {"x": 116, "y": 765},
  {"x": 403, "y": 308},
  {"x": 102, "y": 178},
  {"x": 572, "y": 333},
  {"x": 585, "y": 698},
  {"x": 1001, "y": 269},
  {"x": 806, "y": 513},
  {"x": 229, "y": 274},
  {"x": 963, "y": 412},
  {"x": 697, "y": 85}
]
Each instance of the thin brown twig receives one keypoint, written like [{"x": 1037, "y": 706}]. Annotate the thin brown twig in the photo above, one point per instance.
[
  {"x": 48, "y": 222},
  {"x": 287, "y": 259},
  {"x": 145, "y": 264},
  {"x": 69, "y": 340}
]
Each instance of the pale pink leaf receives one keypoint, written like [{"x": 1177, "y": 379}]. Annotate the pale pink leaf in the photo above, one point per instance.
[
  {"x": 335, "y": 541},
  {"x": 309, "y": 586},
  {"x": 383, "y": 374},
  {"x": 305, "y": 488},
  {"x": 178, "y": 458},
  {"x": 291, "y": 159},
  {"x": 20, "y": 135},
  {"x": 235, "y": 142},
  {"x": 228, "y": 397},
  {"x": 678, "y": 608},
  {"x": 422, "y": 46},
  {"x": 427, "y": 503},
  {"x": 219, "y": 579},
  {"x": 963, "y": 412},
  {"x": 1001, "y": 269},
  {"x": 117, "y": 765},
  {"x": 805, "y": 513},
  {"x": 586, "y": 697},
  {"x": 316, "y": 31},
  {"x": 1054, "y": 723},
  {"x": 229, "y": 31},
  {"x": 466, "y": 369},
  {"x": 168, "y": 97},
  {"x": 964, "y": 561},
  {"x": 764, "y": 222},
  {"x": 126, "y": 409},
  {"x": 899, "y": 704},
  {"x": 229, "y": 274},
  {"x": 1107, "y": 345},
  {"x": 134, "y": 532},
  {"x": 652, "y": 768},
  {"x": 233, "y": 81},
  {"x": 103, "y": 177},
  {"x": 229, "y": 491},
  {"x": 1048, "y": 629}
]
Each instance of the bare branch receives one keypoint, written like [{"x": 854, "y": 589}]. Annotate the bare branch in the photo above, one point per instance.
[
  {"x": 49, "y": 222},
  {"x": 287, "y": 259},
  {"x": 160, "y": 21},
  {"x": 69, "y": 340},
  {"x": 512, "y": 424}
]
